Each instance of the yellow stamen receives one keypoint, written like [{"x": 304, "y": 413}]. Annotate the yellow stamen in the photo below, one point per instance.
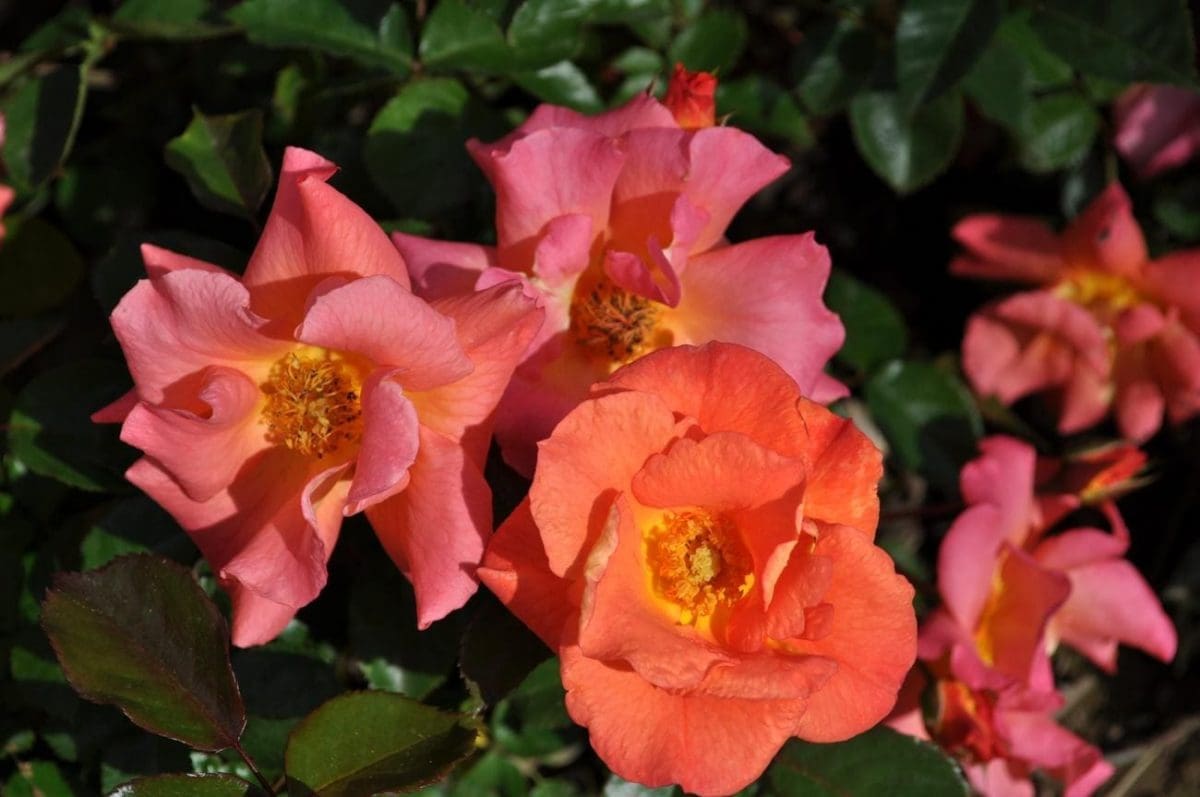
[
  {"x": 1102, "y": 293},
  {"x": 612, "y": 323},
  {"x": 698, "y": 562},
  {"x": 313, "y": 403}
]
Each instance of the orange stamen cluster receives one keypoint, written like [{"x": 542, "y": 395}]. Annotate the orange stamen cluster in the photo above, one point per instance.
[
  {"x": 614, "y": 323},
  {"x": 698, "y": 562},
  {"x": 313, "y": 404}
]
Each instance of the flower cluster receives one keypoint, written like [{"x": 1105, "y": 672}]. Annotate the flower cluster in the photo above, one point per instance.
[
  {"x": 1013, "y": 588},
  {"x": 698, "y": 539},
  {"x": 1106, "y": 329}
]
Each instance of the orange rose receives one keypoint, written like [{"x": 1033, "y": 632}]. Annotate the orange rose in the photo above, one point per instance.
[{"x": 697, "y": 546}]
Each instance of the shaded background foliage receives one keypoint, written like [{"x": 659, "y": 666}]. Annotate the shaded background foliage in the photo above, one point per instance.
[{"x": 162, "y": 122}]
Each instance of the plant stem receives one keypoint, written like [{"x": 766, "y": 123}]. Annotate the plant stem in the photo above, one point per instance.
[{"x": 253, "y": 768}]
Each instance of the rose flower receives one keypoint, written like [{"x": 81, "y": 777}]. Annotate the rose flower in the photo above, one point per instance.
[
  {"x": 616, "y": 223},
  {"x": 1107, "y": 327},
  {"x": 697, "y": 546},
  {"x": 317, "y": 386}
]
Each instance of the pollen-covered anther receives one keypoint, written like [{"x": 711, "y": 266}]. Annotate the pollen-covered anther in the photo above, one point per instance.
[
  {"x": 614, "y": 323},
  {"x": 313, "y": 404},
  {"x": 698, "y": 562}
]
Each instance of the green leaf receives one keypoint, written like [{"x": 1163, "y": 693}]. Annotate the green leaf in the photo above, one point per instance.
[
  {"x": 37, "y": 779},
  {"x": 629, "y": 12},
  {"x": 367, "y": 742},
  {"x": 39, "y": 268},
  {"x": 223, "y": 161},
  {"x": 42, "y": 117},
  {"x": 832, "y": 63},
  {"x": 374, "y": 33},
  {"x": 178, "y": 19},
  {"x": 493, "y": 775},
  {"x": 880, "y": 761},
  {"x": 907, "y": 152},
  {"x": 191, "y": 785},
  {"x": 875, "y": 330},
  {"x": 1015, "y": 68},
  {"x": 928, "y": 416},
  {"x": 141, "y": 634},
  {"x": 758, "y": 104},
  {"x": 544, "y": 32},
  {"x": 562, "y": 84},
  {"x": 1057, "y": 132},
  {"x": 498, "y": 651},
  {"x": 530, "y": 722},
  {"x": 458, "y": 36},
  {"x": 1126, "y": 40},
  {"x": 51, "y": 432},
  {"x": 415, "y": 149},
  {"x": 713, "y": 42},
  {"x": 937, "y": 42},
  {"x": 1177, "y": 208}
]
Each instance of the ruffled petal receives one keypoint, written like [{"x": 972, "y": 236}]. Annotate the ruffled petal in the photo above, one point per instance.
[
  {"x": 389, "y": 444},
  {"x": 1007, "y": 248},
  {"x": 707, "y": 745},
  {"x": 516, "y": 570},
  {"x": 545, "y": 174},
  {"x": 172, "y": 327},
  {"x": 576, "y": 479},
  {"x": 436, "y": 528},
  {"x": 442, "y": 268},
  {"x": 313, "y": 232},
  {"x": 380, "y": 319},
  {"x": 873, "y": 639},
  {"x": 202, "y": 452},
  {"x": 764, "y": 294},
  {"x": 1106, "y": 236}
]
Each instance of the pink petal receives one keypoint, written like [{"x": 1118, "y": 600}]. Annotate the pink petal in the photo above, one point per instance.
[
  {"x": 1003, "y": 477},
  {"x": 494, "y": 327},
  {"x": 436, "y": 528},
  {"x": 202, "y": 452},
  {"x": 1012, "y": 248},
  {"x": 176, "y": 325},
  {"x": 564, "y": 251},
  {"x": 764, "y": 294},
  {"x": 389, "y": 444},
  {"x": 1079, "y": 547},
  {"x": 1111, "y": 602},
  {"x": 1139, "y": 401},
  {"x": 256, "y": 620},
  {"x": 313, "y": 232},
  {"x": 1174, "y": 280},
  {"x": 545, "y": 174},
  {"x": 1025, "y": 596},
  {"x": 1106, "y": 236},
  {"x": 383, "y": 321},
  {"x": 118, "y": 411},
  {"x": 717, "y": 169},
  {"x": 1157, "y": 127},
  {"x": 966, "y": 561},
  {"x": 442, "y": 268},
  {"x": 161, "y": 261},
  {"x": 271, "y": 531},
  {"x": 659, "y": 283},
  {"x": 641, "y": 111}
]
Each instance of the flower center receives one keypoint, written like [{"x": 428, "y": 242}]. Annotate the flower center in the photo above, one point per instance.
[
  {"x": 613, "y": 323},
  {"x": 1104, "y": 295},
  {"x": 964, "y": 724},
  {"x": 698, "y": 562},
  {"x": 313, "y": 403}
]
